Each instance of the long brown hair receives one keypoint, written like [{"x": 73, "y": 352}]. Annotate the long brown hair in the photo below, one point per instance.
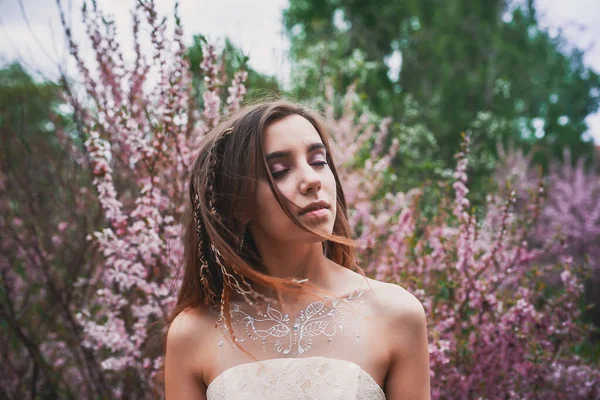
[{"x": 222, "y": 183}]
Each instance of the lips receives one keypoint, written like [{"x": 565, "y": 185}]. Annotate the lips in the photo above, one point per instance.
[
  {"x": 320, "y": 213},
  {"x": 315, "y": 206},
  {"x": 315, "y": 209}
]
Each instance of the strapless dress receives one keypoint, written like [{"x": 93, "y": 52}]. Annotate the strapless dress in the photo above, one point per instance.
[{"x": 314, "y": 378}]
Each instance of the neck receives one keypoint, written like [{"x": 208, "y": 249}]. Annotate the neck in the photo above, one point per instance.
[{"x": 300, "y": 261}]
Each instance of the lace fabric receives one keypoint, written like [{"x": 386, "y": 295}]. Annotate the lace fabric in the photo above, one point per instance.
[{"x": 295, "y": 379}]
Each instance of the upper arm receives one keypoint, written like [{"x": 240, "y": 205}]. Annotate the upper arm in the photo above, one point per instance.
[
  {"x": 182, "y": 376},
  {"x": 408, "y": 376}
]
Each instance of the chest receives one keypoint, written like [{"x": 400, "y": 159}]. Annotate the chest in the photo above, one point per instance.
[{"x": 358, "y": 338}]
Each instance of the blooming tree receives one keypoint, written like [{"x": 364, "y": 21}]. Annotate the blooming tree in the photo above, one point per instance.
[
  {"x": 142, "y": 125},
  {"x": 495, "y": 329}
]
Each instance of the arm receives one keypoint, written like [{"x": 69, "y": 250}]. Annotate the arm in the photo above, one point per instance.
[
  {"x": 408, "y": 376},
  {"x": 183, "y": 373}
]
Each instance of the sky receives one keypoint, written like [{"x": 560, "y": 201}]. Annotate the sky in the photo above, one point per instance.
[{"x": 30, "y": 31}]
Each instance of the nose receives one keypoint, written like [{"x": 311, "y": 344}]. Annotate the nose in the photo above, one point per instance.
[{"x": 311, "y": 180}]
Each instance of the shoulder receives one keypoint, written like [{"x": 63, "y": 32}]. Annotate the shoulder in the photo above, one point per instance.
[
  {"x": 402, "y": 314},
  {"x": 405, "y": 335},
  {"x": 186, "y": 339},
  {"x": 399, "y": 302},
  {"x": 187, "y": 326}
]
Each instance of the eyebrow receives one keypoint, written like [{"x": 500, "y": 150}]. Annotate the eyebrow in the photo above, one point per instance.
[{"x": 282, "y": 154}]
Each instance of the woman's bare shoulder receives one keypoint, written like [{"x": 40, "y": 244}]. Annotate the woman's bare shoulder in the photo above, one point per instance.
[
  {"x": 188, "y": 333},
  {"x": 396, "y": 302},
  {"x": 185, "y": 358},
  {"x": 191, "y": 325},
  {"x": 402, "y": 316}
]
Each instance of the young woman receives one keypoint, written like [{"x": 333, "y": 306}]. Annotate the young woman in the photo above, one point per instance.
[{"x": 270, "y": 307}]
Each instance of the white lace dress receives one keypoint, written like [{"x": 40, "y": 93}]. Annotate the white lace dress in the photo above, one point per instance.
[
  {"x": 295, "y": 379},
  {"x": 313, "y": 352}
]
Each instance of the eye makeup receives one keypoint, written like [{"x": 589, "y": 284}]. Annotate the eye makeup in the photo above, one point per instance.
[
  {"x": 283, "y": 155},
  {"x": 281, "y": 173},
  {"x": 287, "y": 154}
]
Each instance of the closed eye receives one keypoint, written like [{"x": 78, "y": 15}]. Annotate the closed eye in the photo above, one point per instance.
[{"x": 280, "y": 174}]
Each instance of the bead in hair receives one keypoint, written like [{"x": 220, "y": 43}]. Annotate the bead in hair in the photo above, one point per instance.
[
  {"x": 212, "y": 167},
  {"x": 235, "y": 281},
  {"x": 204, "y": 270}
]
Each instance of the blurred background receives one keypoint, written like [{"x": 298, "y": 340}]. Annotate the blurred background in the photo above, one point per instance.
[
  {"x": 523, "y": 73},
  {"x": 519, "y": 78}
]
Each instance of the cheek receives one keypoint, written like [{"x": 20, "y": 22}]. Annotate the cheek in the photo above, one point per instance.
[
  {"x": 331, "y": 190},
  {"x": 331, "y": 184},
  {"x": 330, "y": 179},
  {"x": 267, "y": 207}
]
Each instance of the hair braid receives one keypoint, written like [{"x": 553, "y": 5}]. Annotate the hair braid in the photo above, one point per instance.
[
  {"x": 234, "y": 281},
  {"x": 212, "y": 165},
  {"x": 205, "y": 275}
]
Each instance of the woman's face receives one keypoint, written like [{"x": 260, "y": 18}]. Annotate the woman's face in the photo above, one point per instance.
[{"x": 296, "y": 157}]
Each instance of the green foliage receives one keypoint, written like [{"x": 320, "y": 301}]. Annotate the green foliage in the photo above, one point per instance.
[
  {"x": 484, "y": 66},
  {"x": 25, "y": 106},
  {"x": 32, "y": 125},
  {"x": 42, "y": 175}
]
